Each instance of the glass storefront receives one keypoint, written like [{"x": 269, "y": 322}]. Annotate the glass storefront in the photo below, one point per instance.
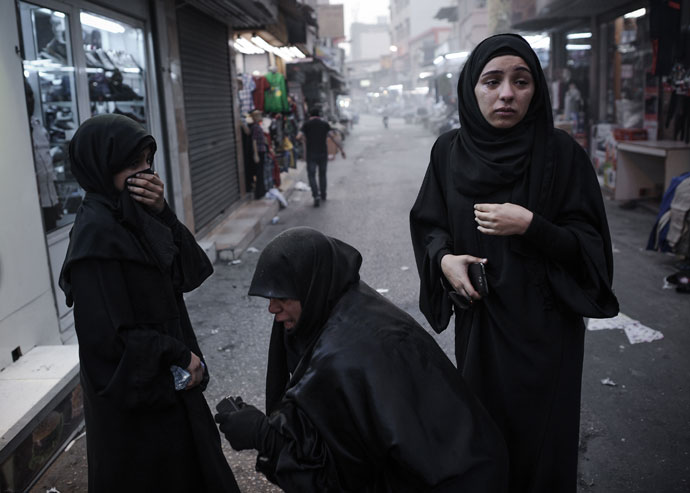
[
  {"x": 113, "y": 80},
  {"x": 49, "y": 74}
]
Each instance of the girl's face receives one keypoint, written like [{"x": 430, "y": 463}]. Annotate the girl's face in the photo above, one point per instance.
[
  {"x": 143, "y": 161},
  {"x": 504, "y": 91}
]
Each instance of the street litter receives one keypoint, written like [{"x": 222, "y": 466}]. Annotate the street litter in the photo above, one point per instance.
[
  {"x": 274, "y": 193},
  {"x": 382, "y": 290},
  {"x": 235, "y": 262},
  {"x": 275, "y": 219},
  {"x": 214, "y": 331},
  {"x": 53, "y": 490},
  {"x": 69, "y": 446},
  {"x": 302, "y": 187},
  {"x": 609, "y": 382},
  {"x": 252, "y": 250},
  {"x": 634, "y": 330},
  {"x": 404, "y": 267}
]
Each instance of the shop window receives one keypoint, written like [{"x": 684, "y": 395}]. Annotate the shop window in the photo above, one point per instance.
[
  {"x": 115, "y": 67},
  {"x": 51, "y": 102}
]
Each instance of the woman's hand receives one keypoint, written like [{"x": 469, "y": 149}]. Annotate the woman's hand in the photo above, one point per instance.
[
  {"x": 147, "y": 189},
  {"x": 196, "y": 370},
  {"x": 502, "y": 219},
  {"x": 454, "y": 267}
]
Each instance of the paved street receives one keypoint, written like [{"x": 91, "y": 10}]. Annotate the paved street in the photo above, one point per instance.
[{"x": 635, "y": 434}]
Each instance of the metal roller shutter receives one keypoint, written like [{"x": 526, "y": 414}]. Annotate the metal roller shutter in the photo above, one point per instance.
[{"x": 209, "y": 114}]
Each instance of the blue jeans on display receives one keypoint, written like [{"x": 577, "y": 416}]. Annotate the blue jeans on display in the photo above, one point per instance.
[{"x": 312, "y": 164}]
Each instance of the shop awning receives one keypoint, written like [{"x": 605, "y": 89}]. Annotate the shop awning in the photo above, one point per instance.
[
  {"x": 559, "y": 14},
  {"x": 240, "y": 14}
]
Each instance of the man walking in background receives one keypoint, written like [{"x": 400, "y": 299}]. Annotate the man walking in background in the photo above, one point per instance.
[{"x": 316, "y": 132}]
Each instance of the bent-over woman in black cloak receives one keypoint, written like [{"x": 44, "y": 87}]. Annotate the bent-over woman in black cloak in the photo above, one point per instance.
[
  {"x": 359, "y": 397},
  {"x": 510, "y": 191},
  {"x": 129, "y": 261}
]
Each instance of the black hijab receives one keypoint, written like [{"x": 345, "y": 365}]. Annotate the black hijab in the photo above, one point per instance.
[
  {"x": 109, "y": 223},
  {"x": 490, "y": 158},
  {"x": 306, "y": 265}
]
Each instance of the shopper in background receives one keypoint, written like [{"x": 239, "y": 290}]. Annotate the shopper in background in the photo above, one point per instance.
[
  {"x": 520, "y": 198},
  {"x": 259, "y": 150},
  {"x": 316, "y": 132},
  {"x": 359, "y": 396},
  {"x": 128, "y": 264}
]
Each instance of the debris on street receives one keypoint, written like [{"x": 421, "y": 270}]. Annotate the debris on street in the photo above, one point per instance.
[
  {"x": 634, "y": 330},
  {"x": 609, "y": 382}
]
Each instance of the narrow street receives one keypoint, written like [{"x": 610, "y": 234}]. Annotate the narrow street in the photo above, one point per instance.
[{"x": 635, "y": 433}]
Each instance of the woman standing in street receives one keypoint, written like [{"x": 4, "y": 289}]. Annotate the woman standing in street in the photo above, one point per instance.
[
  {"x": 510, "y": 192},
  {"x": 128, "y": 263}
]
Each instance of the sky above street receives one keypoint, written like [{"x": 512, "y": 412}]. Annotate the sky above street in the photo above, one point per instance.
[{"x": 363, "y": 11}]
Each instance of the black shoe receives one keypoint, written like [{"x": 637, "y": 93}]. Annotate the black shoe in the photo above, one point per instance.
[
  {"x": 323, "y": 197},
  {"x": 317, "y": 202}
]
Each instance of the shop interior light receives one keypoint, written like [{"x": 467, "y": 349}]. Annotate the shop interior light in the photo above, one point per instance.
[
  {"x": 539, "y": 41},
  {"x": 449, "y": 75},
  {"x": 425, "y": 75},
  {"x": 578, "y": 47},
  {"x": 579, "y": 35},
  {"x": 296, "y": 52},
  {"x": 247, "y": 48},
  {"x": 261, "y": 43},
  {"x": 635, "y": 14},
  {"x": 438, "y": 59},
  {"x": 393, "y": 48},
  {"x": 101, "y": 23}
]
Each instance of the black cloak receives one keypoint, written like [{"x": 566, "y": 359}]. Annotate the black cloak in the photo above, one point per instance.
[
  {"x": 521, "y": 348},
  {"x": 125, "y": 271},
  {"x": 362, "y": 397}
]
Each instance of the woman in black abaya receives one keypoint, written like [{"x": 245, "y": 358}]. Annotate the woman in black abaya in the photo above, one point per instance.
[
  {"x": 359, "y": 397},
  {"x": 129, "y": 261},
  {"x": 511, "y": 192}
]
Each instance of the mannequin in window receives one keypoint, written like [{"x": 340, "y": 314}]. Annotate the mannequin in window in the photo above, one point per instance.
[
  {"x": 43, "y": 165},
  {"x": 56, "y": 49}
]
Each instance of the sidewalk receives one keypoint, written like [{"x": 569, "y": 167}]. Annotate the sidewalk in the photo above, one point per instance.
[{"x": 229, "y": 239}]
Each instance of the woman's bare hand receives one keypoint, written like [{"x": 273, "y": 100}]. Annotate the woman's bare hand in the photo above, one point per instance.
[
  {"x": 196, "y": 370},
  {"x": 454, "y": 267},
  {"x": 148, "y": 189},
  {"x": 502, "y": 219}
]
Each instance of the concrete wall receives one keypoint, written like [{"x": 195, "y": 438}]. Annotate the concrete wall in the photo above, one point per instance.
[{"x": 28, "y": 315}]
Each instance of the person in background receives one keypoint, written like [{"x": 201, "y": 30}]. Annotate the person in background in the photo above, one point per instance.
[
  {"x": 359, "y": 396},
  {"x": 128, "y": 263},
  {"x": 316, "y": 132},
  {"x": 259, "y": 150},
  {"x": 520, "y": 199}
]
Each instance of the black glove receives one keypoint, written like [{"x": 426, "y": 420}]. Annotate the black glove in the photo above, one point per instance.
[{"x": 244, "y": 429}]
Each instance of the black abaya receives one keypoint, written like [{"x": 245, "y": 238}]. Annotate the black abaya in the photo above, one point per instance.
[
  {"x": 521, "y": 348},
  {"x": 125, "y": 271},
  {"x": 372, "y": 403}
]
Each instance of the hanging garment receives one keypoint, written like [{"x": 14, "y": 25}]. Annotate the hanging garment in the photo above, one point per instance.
[
  {"x": 276, "y": 95},
  {"x": 245, "y": 94},
  {"x": 261, "y": 85}
]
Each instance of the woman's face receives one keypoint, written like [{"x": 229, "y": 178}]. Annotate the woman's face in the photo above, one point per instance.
[
  {"x": 504, "y": 91},
  {"x": 140, "y": 164},
  {"x": 285, "y": 310}
]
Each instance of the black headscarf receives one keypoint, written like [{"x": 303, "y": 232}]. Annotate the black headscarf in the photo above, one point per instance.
[
  {"x": 490, "y": 158},
  {"x": 109, "y": 223},
  {"x": 306, "y": 265}
]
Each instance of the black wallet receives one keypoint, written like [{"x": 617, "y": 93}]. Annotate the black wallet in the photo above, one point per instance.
[{"x": 477, "y": 275}]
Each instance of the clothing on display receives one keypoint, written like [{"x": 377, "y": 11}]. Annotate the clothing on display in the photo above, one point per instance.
[
  {"x": 261, "y": 85},
  {"x": 276, "y": 95},
  {"x": 244, "y": 95}
]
